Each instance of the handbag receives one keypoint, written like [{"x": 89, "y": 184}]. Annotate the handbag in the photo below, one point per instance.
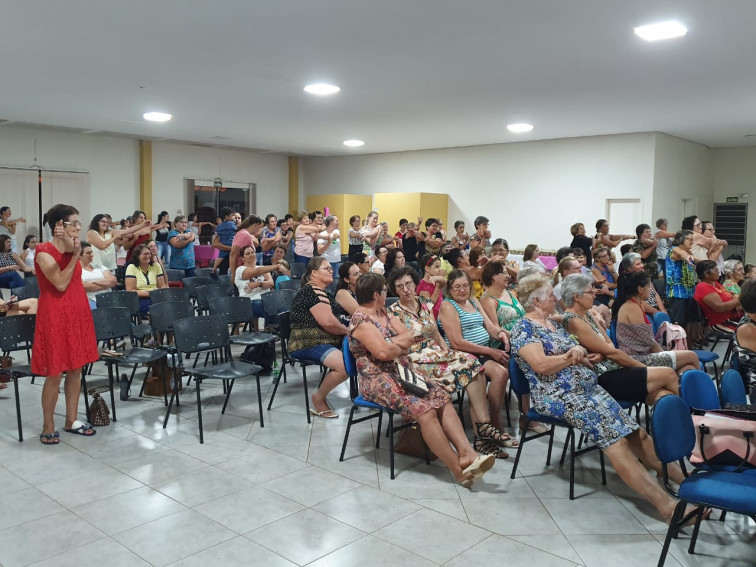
[
  {"x": 98, "y": 410},
  {"x": 725, "y": 437},
  {"x": 5, "y": 362},
  {"x": 410, "y": 381},
  {"x": 162, "y": 374}
]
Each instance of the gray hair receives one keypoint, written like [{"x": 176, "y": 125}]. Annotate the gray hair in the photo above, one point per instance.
[
  {"x": 530, "y": 287},
  {"x": 329, "y": 219},
  {"x": 628, "y": 260},
  {"x": 528, "y": 272},
  {"x": 730, "y": 265},
  {"x": 572, "y": 285}
]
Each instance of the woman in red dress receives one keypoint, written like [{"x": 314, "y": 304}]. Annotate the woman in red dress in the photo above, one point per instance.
[{"x": 64, "y": 337}]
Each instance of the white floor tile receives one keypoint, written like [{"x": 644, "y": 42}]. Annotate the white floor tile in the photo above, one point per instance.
[
  {"x": 237, "y": 552},
  {"x": 366, "y": 508},
  {"x": 204, "y": 485},
  {"x": 311, "y": 485},
  {"x": 370, "y": 551},
  {"x": 497, "y": 549},
  {"x": 107, "y": 550},
  {"x": 81, "y": 489}
]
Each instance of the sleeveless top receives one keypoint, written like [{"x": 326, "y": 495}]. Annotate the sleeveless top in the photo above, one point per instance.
[
  {"x": 29, "y": 260},
  {"x": 473, "y": 329},
  {"x": 507, "y": 315},
  {"x": 746, "y": 356},
  {"x": 105, "y": 258},
  {"x": 604, "y": 365}
]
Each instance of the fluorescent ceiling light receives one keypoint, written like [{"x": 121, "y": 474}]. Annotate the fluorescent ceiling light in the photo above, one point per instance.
[
  {"x": 322, "y": 89},
  {"x": 157, "y": 116},
  {"x": 661, "y": 30},
  {"x": 354, "y": 143},
  {"x": 519, "y": 127}
]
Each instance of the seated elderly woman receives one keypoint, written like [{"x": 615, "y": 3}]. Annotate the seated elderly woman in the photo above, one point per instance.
[
  {"x": 734, "y": 274},
  {"x": 720, "y": 307},
  {"x": 468, "y": 328},
  {"x": 563, "y": 385},
  {"x": 379, "y": 341},
  {"x": 453, "y": 370},
  {"x": 619, "y": 374},
  {"x": 96, "y": 279},
  {"x": 632, "y": 262},
  {"x": 635, "y": 335},
  {"x": 144, "y": 274},
  {"x": 316, "y": 331},
  {"x": 567, "y": 265}
]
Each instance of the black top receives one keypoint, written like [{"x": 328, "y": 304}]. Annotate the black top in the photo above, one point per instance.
[{"x": 584, "y": 243}]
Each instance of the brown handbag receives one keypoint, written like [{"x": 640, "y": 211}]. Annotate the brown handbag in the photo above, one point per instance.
[
  {"x": 5, "y": 362},
  {"x": 98, "y": 410},
  {"x": 161, "y": 374}
]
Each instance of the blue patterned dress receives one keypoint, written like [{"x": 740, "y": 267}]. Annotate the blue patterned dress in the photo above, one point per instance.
[{"x": 572, "y": 394}]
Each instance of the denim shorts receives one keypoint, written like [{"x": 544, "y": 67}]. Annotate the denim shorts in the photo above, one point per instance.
[{"x": 317, "y": 353}]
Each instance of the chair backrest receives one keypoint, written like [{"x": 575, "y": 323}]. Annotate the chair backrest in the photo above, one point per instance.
[
  {"x": 732, "y": 389},
  {"x": 391, "y": 300},
  {"x": 206, "y": 332},
  {"x": 236, "y": 310},
  {"x": 127, "y": 299},
  {"x": 169, "y": 294},
  {"x": 350, "y": 364},
  {"x": 292, "y": 285},
  {"x": 111, "y": 323},
  {"x": 674, "y": 433},
  {"x": 698, "y": 390},
  {"x": 659, "y": 318},
  {"x": 333, "y": 286},
  {"x": 284, "y": 330},
  {"x": 297, "y": 269},
  {"x": 277, "y": 301},
  {"x": 162, "y": 315},
  {"x": 192, "y": 284},
  {"x": 203, "y": 272},
  {"x": 17, "y": 332},
  {"x": 175, "y": 275},
  {"x": 517, "y": 378},
  {"x": 209, "y": 293},
  {"x": 612, "y": 332},
  {"x": 26, "y": 291}
]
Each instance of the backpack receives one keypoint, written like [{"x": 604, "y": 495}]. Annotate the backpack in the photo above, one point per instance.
[{"x": 262, "y": 354}]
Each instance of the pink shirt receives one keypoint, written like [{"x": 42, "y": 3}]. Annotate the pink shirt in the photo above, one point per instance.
[
  {"x": 241, "y": 239},
  {"x": 430, "y": 288}
]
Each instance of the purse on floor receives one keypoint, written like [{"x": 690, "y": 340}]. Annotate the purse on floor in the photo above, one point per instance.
[
  {"x": 725, "y": 437},
  {"x": 5, "y": 362},
  {"x": 98, "y": 410},
  {"x": 410, "y": 381}
]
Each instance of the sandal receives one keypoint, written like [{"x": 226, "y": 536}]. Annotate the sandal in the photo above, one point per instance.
[
  {"x": 49, "y": 438},
  {"x": 80, "y": 428},
  {"x": 486, "y": 430},
  {"x": 489, "y": 447},
  {"x": 325, "y": 414}
]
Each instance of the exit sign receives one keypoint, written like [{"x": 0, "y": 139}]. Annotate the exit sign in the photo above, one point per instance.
[{"x": 732, "y": 199}]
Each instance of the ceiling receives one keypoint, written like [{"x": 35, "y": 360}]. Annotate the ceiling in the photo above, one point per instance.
[{"x": 414, "y": 74}]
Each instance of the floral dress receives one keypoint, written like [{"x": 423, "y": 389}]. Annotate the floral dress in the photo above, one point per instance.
[
  {"x": 377, "y": 377},
  {"x": 451, "y": 369},
  {"x": 571, "y": 394}
]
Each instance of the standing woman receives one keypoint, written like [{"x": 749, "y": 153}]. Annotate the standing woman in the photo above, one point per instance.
[
  {"x": 161, "y": 237},
  {"x": 30, "y": 246},
  {"x": 370, "y": 232},
  {"x": 8, "y": 226},
  {"x": 303, "y": 237},
  {"x": 603, "y": 238},
  {"x": 355, "y": 236},
  {"x": 64, "y": 334},
  {"x": 103, "y": 240},
  {"x": 482, "y": 236}
]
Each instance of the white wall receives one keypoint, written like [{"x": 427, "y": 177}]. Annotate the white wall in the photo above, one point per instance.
[
  {"x": 531, "y": 191},
  {"x": 172, "y": 163},
  {"x": 734, "y": 173},
  {"x": 682, "y": 170}
]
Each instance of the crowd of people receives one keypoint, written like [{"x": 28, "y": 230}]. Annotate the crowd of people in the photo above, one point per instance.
[{"x": 461, "y": 308}]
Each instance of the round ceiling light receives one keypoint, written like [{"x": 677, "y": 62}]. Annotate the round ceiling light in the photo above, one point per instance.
[
  {"x": 354, "y": 143},
  {"x": 322, "y": 89},
  {"x": 519, "y": 127},
  {"x": 157, "y": 116}
]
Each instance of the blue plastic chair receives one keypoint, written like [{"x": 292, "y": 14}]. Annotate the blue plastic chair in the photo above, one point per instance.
[
  {"x": 522, "y": 388},
  {"x": 698, "y": 390},
  {"x": 612, "y": 332},
  {"x": 732, "y": 390},
  {"x": 674, "y": 439},
  {"x": 658, "y": 319},
  {"x": 359, "y": 402}
]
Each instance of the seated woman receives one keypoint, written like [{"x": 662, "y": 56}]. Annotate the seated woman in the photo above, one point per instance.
[
  {"x": 632, "y": 262},
  {"x": 143, "y": 274},
  {"x": 394, "y": 260},
  {"x": 316, "y": 331},
  {"x": 635, "y": 335},
  {"x": 349, "y": 272},
  {"x": 619, "y": 374},
  {"x": 15, "y": 307},
  {"x": 499, "y": 302},
  {"x": 96, "y": 279},
  {"x": 531, "y": 259},
  {"x": 451, "y": 369},
  {"x": 468, "y": 328},
  {"x": 379, "y": 264},
  {"x": 30, "y": 248},
  {"x": 563, "y": 385},
  {"x": 567, "y": 265},
  {"x": 379, "y": 340},
  {"x": 252, "y": 280},
  {"x": 734, "y": 274},
  {"x": 10, "y": 264},
  {"x": 433, "y": 282},
  {"x": 604, "y": 275},
  {"x": 720, "y": 307},
  {"x": 745, "y": 337}
]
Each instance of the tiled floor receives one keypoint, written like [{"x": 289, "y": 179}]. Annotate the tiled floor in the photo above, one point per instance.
[{"x": 137, "y": 494}]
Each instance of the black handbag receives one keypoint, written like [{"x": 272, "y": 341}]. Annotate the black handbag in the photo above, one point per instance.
[{"x": 410, "y": 381}]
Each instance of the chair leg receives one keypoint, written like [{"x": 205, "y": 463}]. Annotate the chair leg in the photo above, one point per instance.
[
  {"x": 112, "y": 391},
  {"x": 18, "y": 410},
  {"x": 603, "y": 467},
  {"x": 570, "y": 435},
  {"x": 378, "y": 437},
  {"x": 228, "y": 394},
  {"x": 174, "y": 396},
  {"x": 277, "y": 380},
  {"x": 672, "y": 531},
  {"x": 259, "y": 400},
  {"x": 306, "y": 394},
  {"x": 551, "y": 444},
  {"x": 197, "y": 382},
  {"x": 694, "y": 537},
  {"x": 346, "y": 435},
  {"x": 572, "y": 465},
  {"x": 519, "y": 449},
  {"x": 86, "y": 395},
  {"x": 391, "y": 443}
]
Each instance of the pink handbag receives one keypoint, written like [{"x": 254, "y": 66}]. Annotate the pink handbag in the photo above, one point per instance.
[{"x": 725, "y": 437}]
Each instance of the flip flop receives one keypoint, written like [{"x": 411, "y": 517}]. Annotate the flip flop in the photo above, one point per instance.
[
  {"x": 49, "y": 438},
  {"x": 480, "y": 466},
  {"x": 325, "y": 414},
  {"x": 80, "y": 428}
]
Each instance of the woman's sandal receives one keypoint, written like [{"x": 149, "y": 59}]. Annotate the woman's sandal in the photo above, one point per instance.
[
  {"x": 49, "y": 438},
  {"x": 489, "y": 447},
  {"x": 486, "y": 430}
]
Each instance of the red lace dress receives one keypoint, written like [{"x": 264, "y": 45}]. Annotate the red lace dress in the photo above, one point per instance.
[{"x": 64, "y": 337}]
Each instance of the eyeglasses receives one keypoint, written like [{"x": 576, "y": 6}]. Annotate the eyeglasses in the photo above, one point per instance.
[
  {"x": 592, "y": 291},
  {"x": 408, "y": 285},
  {"x": 75, "y": 224},
  {"x": 697, "y": 223},
  {"x": 460, "y": 287},
  {"x": 326, "y": 268},
  {"x": 384, "y": 291}
]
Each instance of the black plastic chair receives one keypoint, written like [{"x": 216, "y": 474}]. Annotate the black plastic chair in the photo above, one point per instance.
[
  {"x": 162, "y": 316},
  {"x": 16, "y": 334},
  {"x": 284, "y": 331},
  {"x": 333, "y": 286},
  {"x": 174, "y": 275},
  {"x": 238, "y": 311},
  {"x": 290, "y": 285},
  {"x": 297, "y": 270},
  {"x": 522, "y": 388},
  {"x": 191, "y": 285},
  {"x": 113, "y": 323},
  {"x": 203, "y": 272},
  {"x": 27, "y": 291},
  {"x": 208, "y": 294},
  {"x": 129, "y": 300},
  {"x": 169, "y": 294},
  {"x": 209, "y": 333},
  {"x": 275, "y": 302}
]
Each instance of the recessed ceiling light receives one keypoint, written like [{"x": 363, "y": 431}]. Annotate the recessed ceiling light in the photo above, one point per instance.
[
  {"x": 661, "y": 30},
  {"x": 322, "y": 89},
  {"x": 519, "y": 127},
  {"x": 157, "y": 116},
  {"x": 354, "y": 143}
]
